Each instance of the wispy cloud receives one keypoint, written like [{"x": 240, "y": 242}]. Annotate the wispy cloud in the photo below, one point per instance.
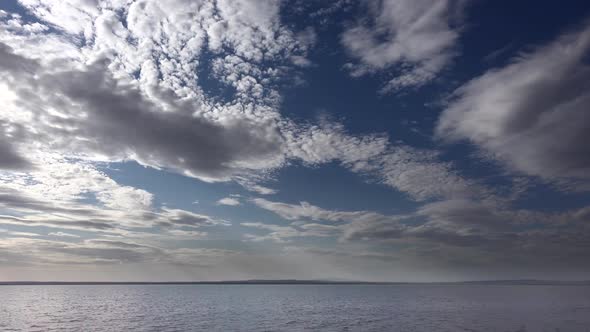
[
  {"x": 62, "y": 234},
  {"x": 230, "y": 201},
  {"x": 414, "y": 39},
  {"x": 531, "y": 114}
]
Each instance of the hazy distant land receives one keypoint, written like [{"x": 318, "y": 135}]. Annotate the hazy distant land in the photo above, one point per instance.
[{"x": 303, "y": 282}]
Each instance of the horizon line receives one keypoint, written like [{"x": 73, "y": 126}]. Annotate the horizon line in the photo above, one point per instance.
[{"x": 302, "y": 282}]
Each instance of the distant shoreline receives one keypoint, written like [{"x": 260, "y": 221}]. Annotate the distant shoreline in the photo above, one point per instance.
[{"x": 296, "y": 282}]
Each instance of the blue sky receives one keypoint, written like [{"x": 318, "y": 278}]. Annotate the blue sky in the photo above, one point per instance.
[{"x": 367, "y": 140}]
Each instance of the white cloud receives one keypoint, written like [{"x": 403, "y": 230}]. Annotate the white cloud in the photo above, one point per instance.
[
  {"x": 352, "y": 225},
  {"x": 328, "y": 141},
  {"x": 416, "y": 36},
  {"x": 152, "y": 62},
  {"x": 74, "y": 16},
  {"x": 182, "y": 218},
  {"x": 18, "y": 234},
  {"x": 421, "y": 174},
  {"x": 417, "y": 172},
  {"x": 307, "y": 210},
  {"x": 19, "y": 250},
  {"x": 262, "y": 189},
  {"x": 179, "y": 233},
  {"x": 230, "y": 201},
  {"x": 102, "y": 109},
  {"x": 284, "y": 234},
  {"x": 244, "y": 139},
  {"x": 65, "y": 182},
  {"x": 531, "y": 114},
  {"x": 70, "y": 194},
  {"x": 488, "y": 229},
  {"x": 62, "y": 234}
]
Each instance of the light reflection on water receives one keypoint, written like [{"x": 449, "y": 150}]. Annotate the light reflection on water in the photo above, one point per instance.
[{"x": 294, "y": 308}]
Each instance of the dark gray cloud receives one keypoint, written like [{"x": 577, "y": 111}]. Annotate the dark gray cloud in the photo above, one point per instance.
[
  {"x": 473, "y": 234},
  {"x": 23, "y": 209},
  {"x": 179, "y": 218},
  {"x": 453, "y": 222},
  {"x": 11, "y": 62},
  {"x": 20, "y": 250},
  {"x": 107, "y": 117},
  {"x": 101, "y": 117},
  {"x": 15, "y": 199},
  {"x": 120, "y": 121},
  {"x": 57, "y": 252},
  {"x": 532, "y": 115},
  {"x": 81, "y": 224},
  {"x": 466, "y": 214},
  {"x": 10, "y": 159},
  {"x": 460, "y": 222}
]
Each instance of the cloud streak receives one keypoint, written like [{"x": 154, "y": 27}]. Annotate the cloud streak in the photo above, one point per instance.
[
  {"x": 531, "y": 114},
  {"x": 416, "y": 38}
]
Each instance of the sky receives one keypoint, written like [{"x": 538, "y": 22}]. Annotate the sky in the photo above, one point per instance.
[{"x": 393, "y": 140}]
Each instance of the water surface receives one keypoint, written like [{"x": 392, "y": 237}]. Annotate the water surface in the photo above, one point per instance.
[{"x": 294, "y": 308}]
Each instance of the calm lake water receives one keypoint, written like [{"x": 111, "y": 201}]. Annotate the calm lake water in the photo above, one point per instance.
[{"x": 294, "y": 308}]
